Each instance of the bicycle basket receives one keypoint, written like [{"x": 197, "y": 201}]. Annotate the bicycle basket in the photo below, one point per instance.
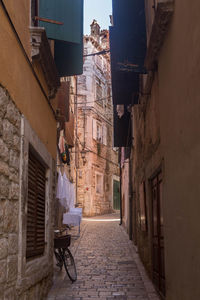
[{"x": 62, "y": 242}]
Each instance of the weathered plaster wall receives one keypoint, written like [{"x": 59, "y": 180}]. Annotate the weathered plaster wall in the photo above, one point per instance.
[
  {"x": 179, "y": 72},
  {"x": 146, "y": 161},
  {"x": 167, "y": 135}
]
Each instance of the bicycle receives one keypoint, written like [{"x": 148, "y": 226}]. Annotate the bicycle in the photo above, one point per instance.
[{"x": 63, "y": 254}]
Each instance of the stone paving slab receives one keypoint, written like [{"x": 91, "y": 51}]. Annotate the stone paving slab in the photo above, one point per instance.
[{"x": 107, "y": 264}]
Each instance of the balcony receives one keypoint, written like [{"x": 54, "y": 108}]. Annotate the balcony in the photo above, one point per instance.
[{"x": 41, "y": 53}]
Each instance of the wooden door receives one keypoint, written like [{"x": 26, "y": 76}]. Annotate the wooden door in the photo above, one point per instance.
[
  {"x": 116, "y": 195},
  {"x": 158, "y": 234}
]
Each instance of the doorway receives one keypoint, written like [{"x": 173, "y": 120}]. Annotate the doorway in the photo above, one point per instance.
[
  {"x": 116, "y": 194},
  {"x": 158, "y": 234}
]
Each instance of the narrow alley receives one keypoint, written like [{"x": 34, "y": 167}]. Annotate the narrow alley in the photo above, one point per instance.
[
  {"x": 108, "y": 267},
  {"x": 100, "y": 113}
]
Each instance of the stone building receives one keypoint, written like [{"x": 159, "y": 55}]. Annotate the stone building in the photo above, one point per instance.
[
  {"x": 164, "y": 159},
  {"x": 96, "y": 165},
  {"x": 29, "y": 78}
]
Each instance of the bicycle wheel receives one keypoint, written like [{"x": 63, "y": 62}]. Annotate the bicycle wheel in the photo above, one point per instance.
[
  {"x": 59, "y": 261},
  {"x": 69, "y": 265}
]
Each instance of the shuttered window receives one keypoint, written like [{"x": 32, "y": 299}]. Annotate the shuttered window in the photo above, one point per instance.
[{"x": 35, "y": 238}]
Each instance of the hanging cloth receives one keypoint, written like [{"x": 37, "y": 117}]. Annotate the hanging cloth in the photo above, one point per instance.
[
  {"x": 59, "y": 193},
  {"x": 59, "y": 186},
  {"x": 68, "y": 192}
]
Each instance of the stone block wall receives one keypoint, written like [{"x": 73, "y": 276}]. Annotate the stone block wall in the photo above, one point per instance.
[
  {"x": 21, "y": 279},
  {"x": 9, "y": 194}
]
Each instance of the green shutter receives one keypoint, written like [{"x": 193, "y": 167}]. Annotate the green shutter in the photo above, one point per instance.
[
  {"x": 69, "y": 12},
  {"x": 68, "y": 37},
  {"x": 68, "y": 58}
]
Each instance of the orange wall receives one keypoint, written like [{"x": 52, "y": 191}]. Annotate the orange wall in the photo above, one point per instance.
[{"x": 16, "y": 75}]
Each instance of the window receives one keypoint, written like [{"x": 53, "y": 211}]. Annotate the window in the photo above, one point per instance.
[
  {"x": 99, "y": 183},
  {"x": 35, "y": 236},
  {"x": 99, "y": 92},
  {"x": 96, "y": 130},
  {"x": 62, "y": 21},
  {"x": 34, "y": 12},
  {"x": 99, "y": 132},
  {"x": 104, "y": 135},
  {"x": 143, "y": 209}
]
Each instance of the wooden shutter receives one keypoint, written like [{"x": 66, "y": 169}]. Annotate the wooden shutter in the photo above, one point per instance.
[
  {"x": 69, "y": 130},
  {"x": 94, "y": 129},
  {"x": 104, "y": 134},
  {"x": 62, "y": 103},
  {"x": 35, "y": 237}
]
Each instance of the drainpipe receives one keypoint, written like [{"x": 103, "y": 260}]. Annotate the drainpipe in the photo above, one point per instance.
[
  {"x": 130, "y": 201},
  {"x": 76, "y": 137},
  {"x": 120, "y": 186}
]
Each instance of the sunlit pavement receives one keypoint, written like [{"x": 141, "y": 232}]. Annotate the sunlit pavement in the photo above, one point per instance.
[{"x": 107, "y": 264}]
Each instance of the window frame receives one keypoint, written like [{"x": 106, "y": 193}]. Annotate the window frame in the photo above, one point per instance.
[
  {"x": 99, "y": 191},
  {"x": 99, "y": 133},
  {"x": 30, "y": 137}
]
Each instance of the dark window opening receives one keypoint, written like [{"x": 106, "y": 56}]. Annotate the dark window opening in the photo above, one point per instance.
[{"x": 34, "y": 13}]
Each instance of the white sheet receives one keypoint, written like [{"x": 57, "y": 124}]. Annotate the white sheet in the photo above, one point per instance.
[{"x": 72, "y": 219}]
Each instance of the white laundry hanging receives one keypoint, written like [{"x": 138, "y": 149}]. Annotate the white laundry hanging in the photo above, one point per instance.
[{"x": 65, "y": 191}]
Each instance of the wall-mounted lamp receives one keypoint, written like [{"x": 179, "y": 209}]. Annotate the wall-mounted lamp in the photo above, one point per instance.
[{"x": 83, "y": 155}]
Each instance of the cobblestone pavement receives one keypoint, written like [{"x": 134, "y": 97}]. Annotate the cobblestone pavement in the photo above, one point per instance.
[{"x": 108, "y": 267}]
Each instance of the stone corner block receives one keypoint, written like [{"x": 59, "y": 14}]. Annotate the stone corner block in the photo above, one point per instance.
[
  {"x": 3, "y": 102},
  {"x": 14, "y": 191},
  {"x": 3, "y": 270},
  {"x": 3, "y": 248},
  {"x": 10, "y": 294},
  {"x": 12, "y": 244},
  {"x": 14, "y": 159},
  {"x": 12, "y": 267}
]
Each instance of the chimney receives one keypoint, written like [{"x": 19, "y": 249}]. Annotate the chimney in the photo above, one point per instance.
[{"x": 95, "y": 30}]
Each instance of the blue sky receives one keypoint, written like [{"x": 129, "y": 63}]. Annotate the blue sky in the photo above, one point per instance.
[{"x": 98, "y": 10}]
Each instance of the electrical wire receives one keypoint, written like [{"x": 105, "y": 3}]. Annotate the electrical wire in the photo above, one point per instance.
[
  {"x": 89, "y": 102},
  {"x": 96, "y": 153},
  {"x": 98, "y": 53}
]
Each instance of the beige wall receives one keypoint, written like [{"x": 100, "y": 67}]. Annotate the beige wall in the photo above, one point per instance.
[
  {"x": 179, "y": 74},
  {"x": 16, "y": 76}
]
